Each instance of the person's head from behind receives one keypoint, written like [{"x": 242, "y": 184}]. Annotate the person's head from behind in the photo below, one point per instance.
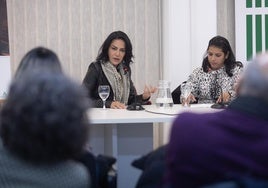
[
  {"x": 39, "y": 59},
  {"x": 219, "y": 53},
  {"x": 254, "y": 80},
  {"x": 44, "y": 118},
  {"x": 116, "y": 48}
]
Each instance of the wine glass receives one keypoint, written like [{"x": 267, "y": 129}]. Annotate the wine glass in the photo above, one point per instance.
[
  {"x": 186, "y": 90},
  {"x": 104, "y": 92}
]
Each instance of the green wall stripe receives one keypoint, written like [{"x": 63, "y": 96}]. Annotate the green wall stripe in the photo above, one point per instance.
[
  {"x": 258, "y": 33},
  {"x": 249, "y": 4},
  {"x": 249, "y": 36},
  {"x": 266, "y": 3},
  {"x": 258, "y": 3},
  {"x": 266, "y": 31}
]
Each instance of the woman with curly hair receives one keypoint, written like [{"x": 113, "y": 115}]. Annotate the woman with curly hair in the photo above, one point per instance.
[{"x": 43, "y": 127}]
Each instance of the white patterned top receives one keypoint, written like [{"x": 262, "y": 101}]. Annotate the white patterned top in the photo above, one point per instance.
[{"x": 207, "y": 86}]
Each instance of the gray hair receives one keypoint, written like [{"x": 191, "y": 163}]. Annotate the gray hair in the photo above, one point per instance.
[{"x": 255, "y": 78}]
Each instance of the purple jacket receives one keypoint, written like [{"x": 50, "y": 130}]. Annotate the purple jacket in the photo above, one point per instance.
[{"x": 213, "y": 147}]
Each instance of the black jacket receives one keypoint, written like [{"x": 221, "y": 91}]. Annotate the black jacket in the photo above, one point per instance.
[
  {"x": 95, "y": 77},
  {"x": 152, "y": 166}
]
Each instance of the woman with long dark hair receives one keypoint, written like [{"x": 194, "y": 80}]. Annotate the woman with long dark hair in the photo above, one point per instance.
[
  {"x": 215, "y": 80},
  {"x": 112, "y": 67}
]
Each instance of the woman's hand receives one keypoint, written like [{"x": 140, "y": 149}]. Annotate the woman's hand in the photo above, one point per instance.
[
  {"x": 186, "y": 102},
  {"x": 117, "y": 105},
  {"x": 148, "y": 90},
  {"x": 225, "y": 97}
]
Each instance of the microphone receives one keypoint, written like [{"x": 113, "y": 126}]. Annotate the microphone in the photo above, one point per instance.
[
  {"x": 215, "y": 89},
  {"x": 135, "y": 106},
  {"x": 220, "y": 105}
]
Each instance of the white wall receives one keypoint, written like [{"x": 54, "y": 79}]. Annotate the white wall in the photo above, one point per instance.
[
  {"x": 187, "y": 28},
  {"x": 76, "y": 29},
  {"x": 5, "y": 74}
]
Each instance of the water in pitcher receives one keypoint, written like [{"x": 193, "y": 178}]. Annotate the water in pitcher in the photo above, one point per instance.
[{"x": 164, "y": 98}]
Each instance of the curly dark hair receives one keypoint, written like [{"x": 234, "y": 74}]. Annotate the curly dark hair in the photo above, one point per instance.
[
  {"x": 44, "y": 118},
  {"x": 39, "y": 59},
  {"x": 223, "y": 44},
  {"x": 103, "y": 51}
]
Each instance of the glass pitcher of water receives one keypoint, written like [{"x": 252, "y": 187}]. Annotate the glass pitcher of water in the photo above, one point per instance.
[{"x": 164, "y": 98}]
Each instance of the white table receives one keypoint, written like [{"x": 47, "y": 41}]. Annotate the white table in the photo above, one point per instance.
[{"x": 127, "y": 135}]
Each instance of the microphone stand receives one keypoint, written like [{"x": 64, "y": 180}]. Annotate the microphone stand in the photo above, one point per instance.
[{"x": 220, "y": 105}]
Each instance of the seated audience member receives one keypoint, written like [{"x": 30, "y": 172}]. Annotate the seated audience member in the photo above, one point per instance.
[
  {"x": 43, "y": 127},
  {"x": 44, "y": 60},
  {"x": 226, "y": 145},
  {"x": 39, "y": 59},
  {"x": 112, "y": 67},
  {"x": 215, "y": 80}
]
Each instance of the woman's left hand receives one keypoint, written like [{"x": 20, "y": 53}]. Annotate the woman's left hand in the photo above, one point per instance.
[
  {"x": 117, "y": 105},
  {"x": 148, "y": 90},
  {"x": 225, "y": 98}
]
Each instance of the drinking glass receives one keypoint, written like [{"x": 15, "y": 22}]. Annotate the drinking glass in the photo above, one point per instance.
[
  {"x": 104, "y": 92},
  {"x": 186, "y": 90}
]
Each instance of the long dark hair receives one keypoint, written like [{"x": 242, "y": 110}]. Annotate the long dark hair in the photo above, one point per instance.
[
  {"x": 223, "y": 44},
  {"x": 103, "y": 51}
]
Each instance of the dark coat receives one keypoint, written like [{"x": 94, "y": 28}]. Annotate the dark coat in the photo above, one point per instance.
[
  {"x": 213, "y": 147},
  {"x": 95, "y": 77},
  {"x": 225, "y": 149},
  {"x": 152, "y": 166}
]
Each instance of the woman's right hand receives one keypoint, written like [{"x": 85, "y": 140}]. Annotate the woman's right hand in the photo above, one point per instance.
[
  {"x": 117, "y": 105},
  {"x": 188, "y": 100},
  {"x": 148, "y": 90}
]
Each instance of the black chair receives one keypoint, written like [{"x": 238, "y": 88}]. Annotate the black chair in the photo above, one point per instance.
[{"x": 176, "y": 93}]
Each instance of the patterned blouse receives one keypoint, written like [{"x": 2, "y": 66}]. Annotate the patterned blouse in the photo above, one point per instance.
[{"x": 207, "y": 86}]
